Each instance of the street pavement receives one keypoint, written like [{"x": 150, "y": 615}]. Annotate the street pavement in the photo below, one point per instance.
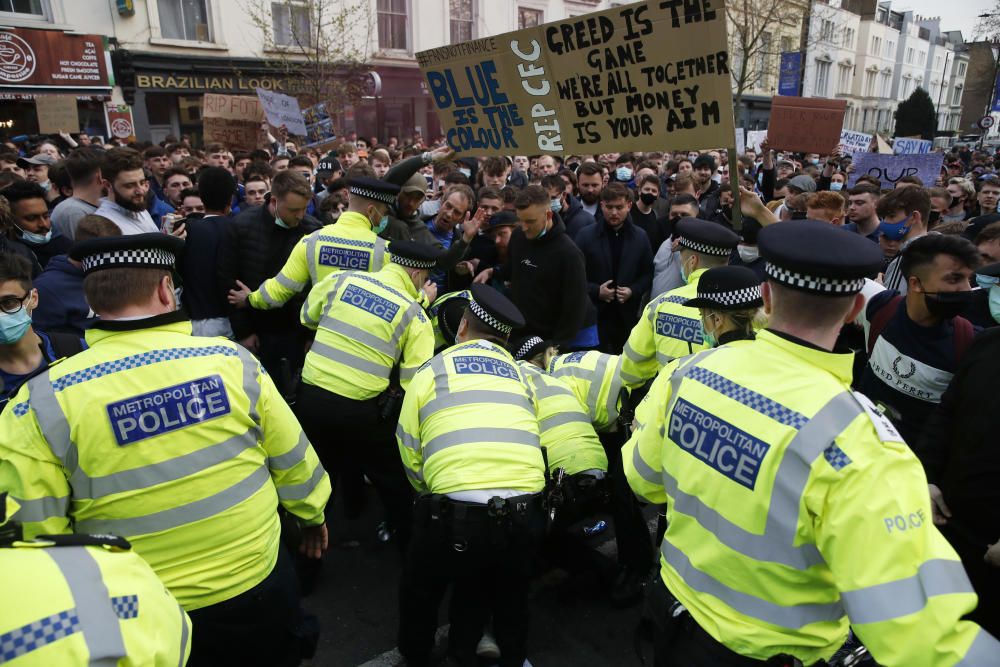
[{"x": 572, "y": 623}]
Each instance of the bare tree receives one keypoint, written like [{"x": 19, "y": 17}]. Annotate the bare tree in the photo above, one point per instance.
[
  {"x": 754, "y": 29},
  {"x": 321, "y": 47},
  {"x": 988, "y": 26}
]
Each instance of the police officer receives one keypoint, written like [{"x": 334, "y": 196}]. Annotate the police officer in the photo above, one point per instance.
[
  {"x": 350, "y": 244},
  {"x": 75, "y": 600},
  {"x": 182, "y": 445},
  {"x": 729, "y": 303},
  {"x": 668, "y": 329},
  {"x": 446, "y": 314},
  {"x": 598, "y": 382},
  {"x": 794, "y": 507},
  {"x": 468, "y": 436},
  {"x": 577, "y": 464},
  {"x": 372, "y": 335}
]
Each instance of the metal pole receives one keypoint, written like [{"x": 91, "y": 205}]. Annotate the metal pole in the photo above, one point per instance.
[
  {"x": 993, "y": 92},
  {"x": 937, "y": 110}
]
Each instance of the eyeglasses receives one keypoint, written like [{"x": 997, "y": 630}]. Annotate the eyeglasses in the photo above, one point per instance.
[{"x": 13, "y": 304}]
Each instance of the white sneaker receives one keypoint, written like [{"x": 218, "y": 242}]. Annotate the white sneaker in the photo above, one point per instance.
[{"x": 488, "y": 648}]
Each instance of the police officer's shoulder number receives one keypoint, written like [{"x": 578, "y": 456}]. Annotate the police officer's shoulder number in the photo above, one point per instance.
[{"x": 883, "y": 426}]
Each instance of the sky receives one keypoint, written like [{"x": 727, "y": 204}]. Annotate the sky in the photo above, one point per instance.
[{"x": 955, "y": 15}]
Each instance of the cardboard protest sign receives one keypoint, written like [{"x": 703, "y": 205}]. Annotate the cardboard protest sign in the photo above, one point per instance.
[
  {"x": 319, "y": 125},
  {"x": 852, "y": 142},
  {"x": 282, "y": 110},
  {"x": 754, "y": 139},
  {"x": 646, "y": 74},
  {"x": 57, "y": 113},
  {"x": 805, "y": 125},
  {"x": 890, "y": 168},
  {"x": 741, "y": 142},
  {"x": 907, "y": 146},
  {"x": 233, "y": 120}
]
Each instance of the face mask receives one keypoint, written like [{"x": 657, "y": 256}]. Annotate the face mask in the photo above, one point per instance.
[
  {"x": 648, "y": 198},
  {"x": 947, "y": 305},
  {"x": 684, "y": 273},
  {"x": 992, "y": 284},
  {"x": 382, "y": 224},
  {"x": 14, "y": 326},
  {"x": 281, "y": 223},
  {"x": 748, "y": 253},
  {"x": 836, "y": 187},
  {"x": 895, "y": 231},
  {"x": 46, "y": 185},
  {"x": 623, "y": 174},
  {"x": 35, "y": 239},
  {"x": 465, "y": 172},
  {"x": 816, "y": 161},
  {"x": 556, "y": 205},
  {"x": 708, "y": 338}
]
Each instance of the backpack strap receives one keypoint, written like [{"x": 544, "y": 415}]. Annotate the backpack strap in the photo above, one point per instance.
[
  {"x": 877, "y": 324},
  {"x": 65, "y": 344},
  {"x": 963, "y": 335}
]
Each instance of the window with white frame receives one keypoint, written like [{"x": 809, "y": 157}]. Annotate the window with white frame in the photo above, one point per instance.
[
  {"x": 826, "y": 30},
  {"x": 909, "y": 56},
  {"x": 876, "y": 45},
  {"x": 869, "y": 84},
  {"x": 529, "y": 18},
  {"x": 844, "y": 80},
  {"x": 392, "y": 33},
  {"x": 961, "y": 69},
  {"x": 822, "y": 77},
  {"x": 956, "y": 97},
  {"x": 922, "y": 58},
  {"x": 848, "y": 38},
  {"x": 37, "y": 9},
  {"x": 890, "y": 50},
  {"x": 884, "y": 89},
  {"x": 292, "y": 24},
  {"x": 189, "y": 20},
  {"x": 462, "y": 20},
  {"x": 905, "y": 90}
]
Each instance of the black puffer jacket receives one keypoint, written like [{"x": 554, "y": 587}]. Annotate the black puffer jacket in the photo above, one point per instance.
[{"x": 253, "y": 250}]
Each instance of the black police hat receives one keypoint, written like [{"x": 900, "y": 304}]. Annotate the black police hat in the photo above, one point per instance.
[
  {"x": 816, "y": 257},
  {"x": 495, "y": 310},
  {"x": 727, "y": 288},
  {"x": 154, "y": 250},
  {"x": 414, "y": 255},
  {"x": 526, "y": 347},
  {"x": 449, "y": 316},
  {"x": 502, "y": 219},
  {"x": 707, "y": 238},
  {"x": 374, "y": 189}
]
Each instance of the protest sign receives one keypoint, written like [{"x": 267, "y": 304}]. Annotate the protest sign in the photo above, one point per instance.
[
  {"x": 852, "y": 142},
  {"x": 790, "y": 73},
  {"x": 805, "y": 125},
  {"x": 890, "y": 168},
  {"x": 57, "y": 113},
  {"x": 625, "y": 79},
  {"x": 233, "y": 120},
  {"x": 282, "y": 110},
  {"x": 754, "y": 139},
  {"x": 741, "y": 142},
  {"x": 908, "y": 146},
  {"x": 319, "y": 125}
]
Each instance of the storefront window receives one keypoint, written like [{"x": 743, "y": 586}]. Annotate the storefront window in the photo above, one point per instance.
[
  {"x": 185, "y": 19},
  {"x": 32, "y": 7}
]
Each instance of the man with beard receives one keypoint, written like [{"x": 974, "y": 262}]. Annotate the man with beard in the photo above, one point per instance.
[
  {"x": 590, "y": 182},
  {"x": 127, "y": 187},
  {"x": 708, "y": 189}
]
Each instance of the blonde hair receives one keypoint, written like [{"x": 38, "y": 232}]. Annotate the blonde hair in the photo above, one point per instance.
[{"x": 747, "y": 321}]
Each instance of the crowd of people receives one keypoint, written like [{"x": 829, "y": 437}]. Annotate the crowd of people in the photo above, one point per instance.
[{"x": 342, "y": 317}]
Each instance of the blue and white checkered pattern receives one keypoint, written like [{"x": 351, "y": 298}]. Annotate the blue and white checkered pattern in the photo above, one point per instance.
[
  {"x": 126, "y": 606},
  {"x": 836, "y": 457},
  {"x": 137, "y": 360},
  {"x": 347, "y": 242},
  {"x": 490, "y": 321},
  {"x": 749, "y": 398},
  {"x": 815, "y": 284},
  {"x": 673, "y": 299},
  {"x": 34, "y": 636},
  {"x": 21, "y": 409}
]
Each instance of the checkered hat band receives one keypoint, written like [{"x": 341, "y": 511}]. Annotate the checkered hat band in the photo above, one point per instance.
[
  {"x": 734, "y": 298},
  {"x": 412, "y": 263},
  {"x": 705, "y": 248},
  {"x": 384, "y": 197},
  {"x": 491, "y": 321},
  {"x": 151, "y": 257},
  {"x": 528, "y": 344},
  {"x": 814, "y": 283}
]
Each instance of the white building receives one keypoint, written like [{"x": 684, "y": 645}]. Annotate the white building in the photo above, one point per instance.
[{"x": 831, "y": 57}]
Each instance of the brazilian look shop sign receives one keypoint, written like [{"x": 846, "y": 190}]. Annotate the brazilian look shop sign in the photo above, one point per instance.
[{"x": 610, "y": 80}]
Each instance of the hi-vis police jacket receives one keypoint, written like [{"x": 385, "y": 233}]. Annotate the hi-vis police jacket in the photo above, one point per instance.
[
  {"x": 793, "y": 508},
  {"x": 75, "y": 606},
  {"x": 347, "y": 245},
  {"x": 182, "y": 445},
  {"x": 666, "y": 331},
  {"x": 567, "y": 435},
  {"x": 596, "y": 379},
  {"x": 364, "y": 324},
  {"x": 469, "y": 422}
]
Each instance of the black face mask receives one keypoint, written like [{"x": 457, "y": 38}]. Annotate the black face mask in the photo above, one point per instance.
[
  {"x": 947, "y": 305},
  {"x": 648, "y": 198}
]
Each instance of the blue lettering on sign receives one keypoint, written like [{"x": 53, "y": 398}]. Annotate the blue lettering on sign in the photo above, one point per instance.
[
  {"x": 681, "y": 328},
  {"x": 372, "y": 303},
  {"x": 485, "y": 366},
  {"x": 729, "y": 450},
  {"x": 344, "y": 258},
  {"x": 168, "y": 409}
]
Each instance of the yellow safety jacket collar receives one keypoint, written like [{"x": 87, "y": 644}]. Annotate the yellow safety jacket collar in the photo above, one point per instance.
[
  {"x": 176, "y": 321},
  {"x": 351, "y": 219},
  {"x": 837, "y": 364},
  {"x": 396, "y": 276}
]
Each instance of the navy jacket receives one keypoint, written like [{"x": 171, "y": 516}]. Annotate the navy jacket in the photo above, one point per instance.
[
  {"x": 634, "y": 268},
  {"x": 61, "y": 304},
  {"x": 575, "y": 218}
]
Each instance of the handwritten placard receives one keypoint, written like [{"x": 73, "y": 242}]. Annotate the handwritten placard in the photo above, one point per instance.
[
  {"x": 852, "y": 142},
  {"x": 754, "y": 139},
  {"x": 889, "y": 169},
  {"x": 907, "y": 146},
  {"x": 805, "y": 124},
  {"x": 614, "y": 80},
  {"x": 57, "y": 113},
  {"x": 233, "y": 120},
  {"x": 282, "y": 110}
]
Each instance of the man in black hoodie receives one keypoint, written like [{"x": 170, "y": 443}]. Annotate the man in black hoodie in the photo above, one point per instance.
[{"x": 547, "y": 275}]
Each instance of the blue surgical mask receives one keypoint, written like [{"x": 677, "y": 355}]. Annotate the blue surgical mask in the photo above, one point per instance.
[
  {"x": 895, "y": 231},
  {"x": 465, "y": 172},
  {"x": 991, "y": 283},
  {"x": 556, "y": 205},
  {"x": 35, "y": 239},
  {"x": 14, "y": 326},
  {"x": 836, "y": 187},
  {"x": 281, "y": 223},
  {"x": 708, "y": 338},
  {"x": 684, "y": 274},
  {"x": 623, "y": 174},
  {"x": 382, "y": 224}
]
